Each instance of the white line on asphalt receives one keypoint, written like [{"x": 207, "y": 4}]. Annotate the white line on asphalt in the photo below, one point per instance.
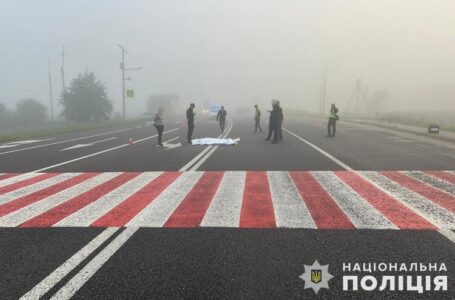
[
  {"x": 342, "y": 164},
  {"x": 212, "y": 149},
  {"x": 173, "y": 139},
  {"x": 75, "y": 283},
  {"x": 61, "y": 142},
  {"x": 87, "y": 145},
  {"x": 100, "y": 152},
  {"x": 55, "y": 277}
]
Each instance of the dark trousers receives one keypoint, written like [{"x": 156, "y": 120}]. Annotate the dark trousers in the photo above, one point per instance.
[
  {"x": 270, "y": 131},
  {"x": 276, "y": 133},
  {"x": 189, "y": 135},
  {"x": 332, "y": 127},
  {"x": 222, "y": 124},
  {"x": 160, "y": 129},
  {"x": 257, "y": 125},
  {"x": 280, "y": 132}
]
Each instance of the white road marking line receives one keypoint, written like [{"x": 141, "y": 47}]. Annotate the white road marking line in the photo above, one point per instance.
[
  {"x": 87, "y": 145},
  {"x": 361, "y": 213},
  {"x": 61, "y": 142},
  {"x": 435, "y": 182},
  {"x": 290, "y": 209},
  {"x": 29, "y": 189},
  {"x": 161, "y": 208},
  {"x": 90, "y": 213},
  {"x": 26, "y": 213},
  {"x": 58, "y": 274},
  {"x": 224, "y": 210},
  {"x": 449, "y": 234},
  {"x": 337, "y": 161},
  {"x": 204, "y": 158},
  {"x": 100, "y": 152},
  {"x": 173, "y": 139},
  {"x": 197, "y": 157},
  {"x": 75, "y": 283},
  {"x": 429, "y": 210},
  {"x": 17, "y": 178}
]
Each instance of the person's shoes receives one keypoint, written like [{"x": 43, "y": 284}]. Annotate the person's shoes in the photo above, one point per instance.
[
  {"x": 190, "y": 142},
  {"x": 159, "y": 145}
]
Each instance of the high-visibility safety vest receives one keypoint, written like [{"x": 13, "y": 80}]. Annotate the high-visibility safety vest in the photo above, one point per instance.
[{"x": 332, "y": 115}]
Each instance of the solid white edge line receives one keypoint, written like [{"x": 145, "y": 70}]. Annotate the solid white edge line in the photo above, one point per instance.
[
  {"x": 98, "y": 153},
  {"x": 58, "y": 274},
  {"x": 337, "y": 161},
  {"x": 75, "y": 283}
]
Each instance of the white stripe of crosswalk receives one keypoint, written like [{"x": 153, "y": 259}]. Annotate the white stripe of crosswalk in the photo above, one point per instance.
[
  {"x": 17, "y": 178},
  {"x": 424, "y": 207},
  {"x": 224, "y": 210},
  {"x": 26, "y": 213},
  {"x": 361, "y": 213},
  {"x": 159, "y": 210},
  {"x": 433, "y": 181},
  {"x": 93, "y": 211},
  {"x": 32, "y": 188},
  {"x": 290, "y": 209}
]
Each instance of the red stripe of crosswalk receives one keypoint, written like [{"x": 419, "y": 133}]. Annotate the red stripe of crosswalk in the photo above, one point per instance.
[
  {"x": 46, "y": 192},
  {"x": 393, "y": 210},
  {"x": 437, "y": 196},
  {"x": 65, "y": 209},
  {"x": 325, "y": 212},
  {"x": 26, "y": 182},
  {"x": 443, "y": 175},
  {"x": 192, "y": 209},
  {"x": 8, "y": 175},
  {"x": 128, "y": 209},
  {"x": 257, "y": 207}
]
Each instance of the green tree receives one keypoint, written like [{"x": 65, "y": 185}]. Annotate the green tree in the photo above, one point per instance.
[
  {"x": 86, "y": 100},
  {"x": 30, "y": 111}
]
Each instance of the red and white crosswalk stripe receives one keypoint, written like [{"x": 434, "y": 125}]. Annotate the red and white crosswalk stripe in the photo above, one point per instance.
[{"x": 243, "y": 199}]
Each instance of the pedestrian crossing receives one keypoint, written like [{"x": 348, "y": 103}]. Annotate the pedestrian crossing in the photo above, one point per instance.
[{"x": 423, "y": 200}]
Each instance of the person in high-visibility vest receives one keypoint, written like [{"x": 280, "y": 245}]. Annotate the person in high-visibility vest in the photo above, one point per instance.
[
  {"x": 333, "y": 118},
  {"x": 257, "y": 119}
]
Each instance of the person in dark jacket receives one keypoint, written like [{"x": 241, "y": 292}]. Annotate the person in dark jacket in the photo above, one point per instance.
[
  {"x": 221, "y": 118},
  {"x": 159, "y": 125},
  {"x": 333, "y": 118},
  {"x": 280, "y": 121},
  {"x": 190, "y": 117},
  {"x": 270, "y": 122},
  {"x": 275, "y": 120}
]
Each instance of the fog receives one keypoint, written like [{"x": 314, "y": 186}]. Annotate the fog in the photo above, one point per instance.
[{"x": 235, "y": 52}]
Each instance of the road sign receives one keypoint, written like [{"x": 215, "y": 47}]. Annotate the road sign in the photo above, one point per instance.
[{"x": 130, "y": 93}]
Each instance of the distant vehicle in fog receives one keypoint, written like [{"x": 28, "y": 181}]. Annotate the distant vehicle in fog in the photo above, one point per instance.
[{"x": 213, "y": 109}]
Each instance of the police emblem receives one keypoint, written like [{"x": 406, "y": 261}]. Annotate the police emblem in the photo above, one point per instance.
[{"x": 316, "y": 276}]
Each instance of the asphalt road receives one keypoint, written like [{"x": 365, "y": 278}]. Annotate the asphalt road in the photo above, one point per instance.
[{"x": 204, "y": 255}]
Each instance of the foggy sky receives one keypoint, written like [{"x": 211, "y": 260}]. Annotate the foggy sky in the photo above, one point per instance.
[{"x": 234, "y": 52}]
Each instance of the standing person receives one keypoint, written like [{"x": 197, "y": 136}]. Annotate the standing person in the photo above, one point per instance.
[
  {"x": 190, "y": 117},
  {"x": 221, "y": 118},
  {"x": 257, "y": 119},
  {"x": 158, "y": 119},
  {"x": 271, "y": 121},
  {"x": 275, "y": 121},
  {"x": 280, "y": 121},
  {"x": 333, "y": 118}
]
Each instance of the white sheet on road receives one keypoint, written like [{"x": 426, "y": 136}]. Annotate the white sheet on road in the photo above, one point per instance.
[{"x": 213, "y": 141}]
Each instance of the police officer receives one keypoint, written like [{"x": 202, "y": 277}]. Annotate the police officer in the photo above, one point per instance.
[
  {"x": 257, "y": 119},
  {"x": 333, "y": 118},
  {"x": 190, "y": 117},
  {"x": 221, "y": 118}
]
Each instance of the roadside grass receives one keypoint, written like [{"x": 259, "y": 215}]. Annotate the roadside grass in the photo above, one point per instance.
[{"x": 52, "y": 128}]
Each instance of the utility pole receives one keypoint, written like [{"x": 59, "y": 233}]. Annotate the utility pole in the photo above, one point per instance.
[
  {"x": 63, "y": 69},
  {"x": 122, "y": 66},
  {"x": 50, "y": 88}
]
